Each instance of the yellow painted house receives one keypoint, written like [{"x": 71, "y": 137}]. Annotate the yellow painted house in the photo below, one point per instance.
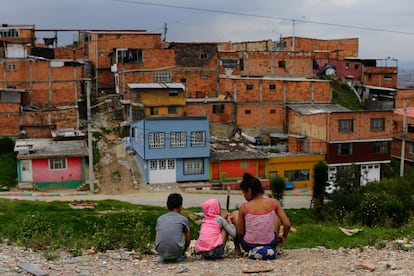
[{"x": 293, "y": 167}]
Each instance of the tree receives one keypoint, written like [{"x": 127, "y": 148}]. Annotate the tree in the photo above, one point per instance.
[
  {"x": 320, "y": 176},
  {"x": 277, "y": 186}
]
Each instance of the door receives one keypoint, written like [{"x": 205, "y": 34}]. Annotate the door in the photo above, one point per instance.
[
  {"x": 26, "y": 170},
  {"x": 162, "y": 171}
]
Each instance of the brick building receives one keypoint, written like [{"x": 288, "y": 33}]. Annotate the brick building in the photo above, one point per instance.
[{"x": 42, "y": 93}]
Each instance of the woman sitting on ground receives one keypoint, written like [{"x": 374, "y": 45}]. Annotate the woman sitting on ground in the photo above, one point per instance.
[{"x": 258, "y": 220}]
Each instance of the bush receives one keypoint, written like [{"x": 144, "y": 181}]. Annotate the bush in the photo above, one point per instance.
[
  {"x": 319, "y": 187},
  {"x": 6, "y": 145},
  {"x": 277, "y": 186}
]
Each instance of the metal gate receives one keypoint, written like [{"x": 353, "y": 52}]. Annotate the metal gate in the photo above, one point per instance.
[{"x": 162, "y": 171}]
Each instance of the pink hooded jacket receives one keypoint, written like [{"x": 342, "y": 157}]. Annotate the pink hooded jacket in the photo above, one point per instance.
[{"x": 210, "y": 230}]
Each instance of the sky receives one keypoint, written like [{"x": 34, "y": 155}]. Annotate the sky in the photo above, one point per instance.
[{"x": 384, "y": 28}]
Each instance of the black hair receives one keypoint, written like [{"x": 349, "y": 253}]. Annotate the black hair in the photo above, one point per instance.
[
  {"x": 252, "y": 183},
  {"x": 174, "y": 201}
]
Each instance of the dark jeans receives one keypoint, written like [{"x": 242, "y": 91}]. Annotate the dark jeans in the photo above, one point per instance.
[
  {"x": 248, "y": 246},
  {"x": 214, "y": 253}
]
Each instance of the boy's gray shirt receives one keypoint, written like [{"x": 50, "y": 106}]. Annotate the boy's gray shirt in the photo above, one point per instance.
[{"x": 170, "y": 228}]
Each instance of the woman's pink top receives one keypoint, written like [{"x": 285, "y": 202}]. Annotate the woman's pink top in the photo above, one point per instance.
[{"x": 259, "y": 227}]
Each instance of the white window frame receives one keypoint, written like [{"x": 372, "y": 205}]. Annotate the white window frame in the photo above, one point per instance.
[
  {"x": 178, "y": 139},
  {"x": 193, "y": 166},
  {"x": 136, "y": 135},
  {"x": 153, "y": 165},
  {"x": 163, "y": 77},
  {"x": 156, "y": 140},
  {"x": 198, "y": 138},
  {"x": 57, "y": 164},
  {"x": 171, "y": 164}
]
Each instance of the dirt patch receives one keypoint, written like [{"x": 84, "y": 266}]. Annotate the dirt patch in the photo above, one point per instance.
[{"x": 112, "y": 176}]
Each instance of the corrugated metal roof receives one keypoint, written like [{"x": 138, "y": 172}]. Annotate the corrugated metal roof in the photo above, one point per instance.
[
  {"x": 309, "y": 109},
  {"x": 236, "y": 155},
  {"x": 160, "y": 85},
  {"x": 46, "y": 148}
]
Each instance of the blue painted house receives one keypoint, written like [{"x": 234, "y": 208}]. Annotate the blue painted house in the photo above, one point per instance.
[
  {"x": 170, "y": 146},
  {"x": 172, "y": 149}
]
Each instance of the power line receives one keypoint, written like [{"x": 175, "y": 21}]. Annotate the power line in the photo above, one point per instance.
[{"x": 266, "y": 17}]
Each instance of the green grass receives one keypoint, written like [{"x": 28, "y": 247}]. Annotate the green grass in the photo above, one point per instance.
[
  {"x": 113, "y": 224},
  {"x": 344, "y": 96}
]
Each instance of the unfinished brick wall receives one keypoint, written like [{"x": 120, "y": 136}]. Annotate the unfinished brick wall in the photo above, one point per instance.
[
  {"x": 45, "y": 84},
  {"x": 361, "y": 125},
  {"x": 337, "y": 48},
  {"x": 212, "y": 110},
  {"x": 9, "y": 119},
  {"x": 381, "y": 76},
  {"x": 38, "y": 124}
]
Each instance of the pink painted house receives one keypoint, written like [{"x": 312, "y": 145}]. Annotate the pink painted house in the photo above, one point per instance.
[{"x": 46, "y": 163}]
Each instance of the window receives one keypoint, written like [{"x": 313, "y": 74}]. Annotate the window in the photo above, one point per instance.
[
  {"x": 203, "y": 77},
  {"x": 57, "y": 164},
  {"x": 356, "y": 66},
  {"x": 153, "y": 165},
  {"x": 247, "y": 111},
  {"x": 135, "y": 134},
  {"x": 153, "y": 110},
  {"x": 156, "y": 140},
  {"x": 388, "y": 77},
  {"x": 229, "y": 63},
  {"x": 377, "y": 124},
  {"x": 183, "y": 80},
  {"x": 171, "y": 164},
  {"x": 272, "y": 111},
  {"x": 130, "y": 56},
  {"x": 218, "y": 108},
  {"x": 162, "y": 164},
  {"x": 162, "y": 77},
  {"x": 272, "y": 86},
  {"x": 244, "y": 165},
  {"x": 249, "y": 87},
  {"x": 381, "y": 147},
  {"x": 9, "y": 33},
  {"x": 178, "y": 139},
  {"x": 173, "y": 110},
  {"x": 347, "y": 66},
  {"x": 345, "y": 149},
  {"x": 282, "y": 64},
  {"x": 346, "y": 125},
  {"x": 11, "y": 67},
  {"x": 297, "y": 175},
  {"x": 411, "y": 148},
  {"x": 198, "y": 138},
  {"x": 193, "y": 166},
  {"x": 203, "y": 55},
  {"x": 173, "y": 93}
]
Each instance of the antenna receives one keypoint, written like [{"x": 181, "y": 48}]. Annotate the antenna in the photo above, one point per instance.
[{"x": 165, "y": 32}]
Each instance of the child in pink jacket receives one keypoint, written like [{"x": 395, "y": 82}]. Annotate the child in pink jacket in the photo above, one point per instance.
[{"x": 214, "y": 230}]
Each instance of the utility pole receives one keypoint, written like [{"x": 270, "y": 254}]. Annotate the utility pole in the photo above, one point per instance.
[
  {"x": 404, "y": 136},
  {"x": 293, "y": 37},
  {"x": 90, "y": 149}
]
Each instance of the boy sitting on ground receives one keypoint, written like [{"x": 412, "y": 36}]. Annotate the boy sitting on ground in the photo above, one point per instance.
[{"x": 172, "y": 231}]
